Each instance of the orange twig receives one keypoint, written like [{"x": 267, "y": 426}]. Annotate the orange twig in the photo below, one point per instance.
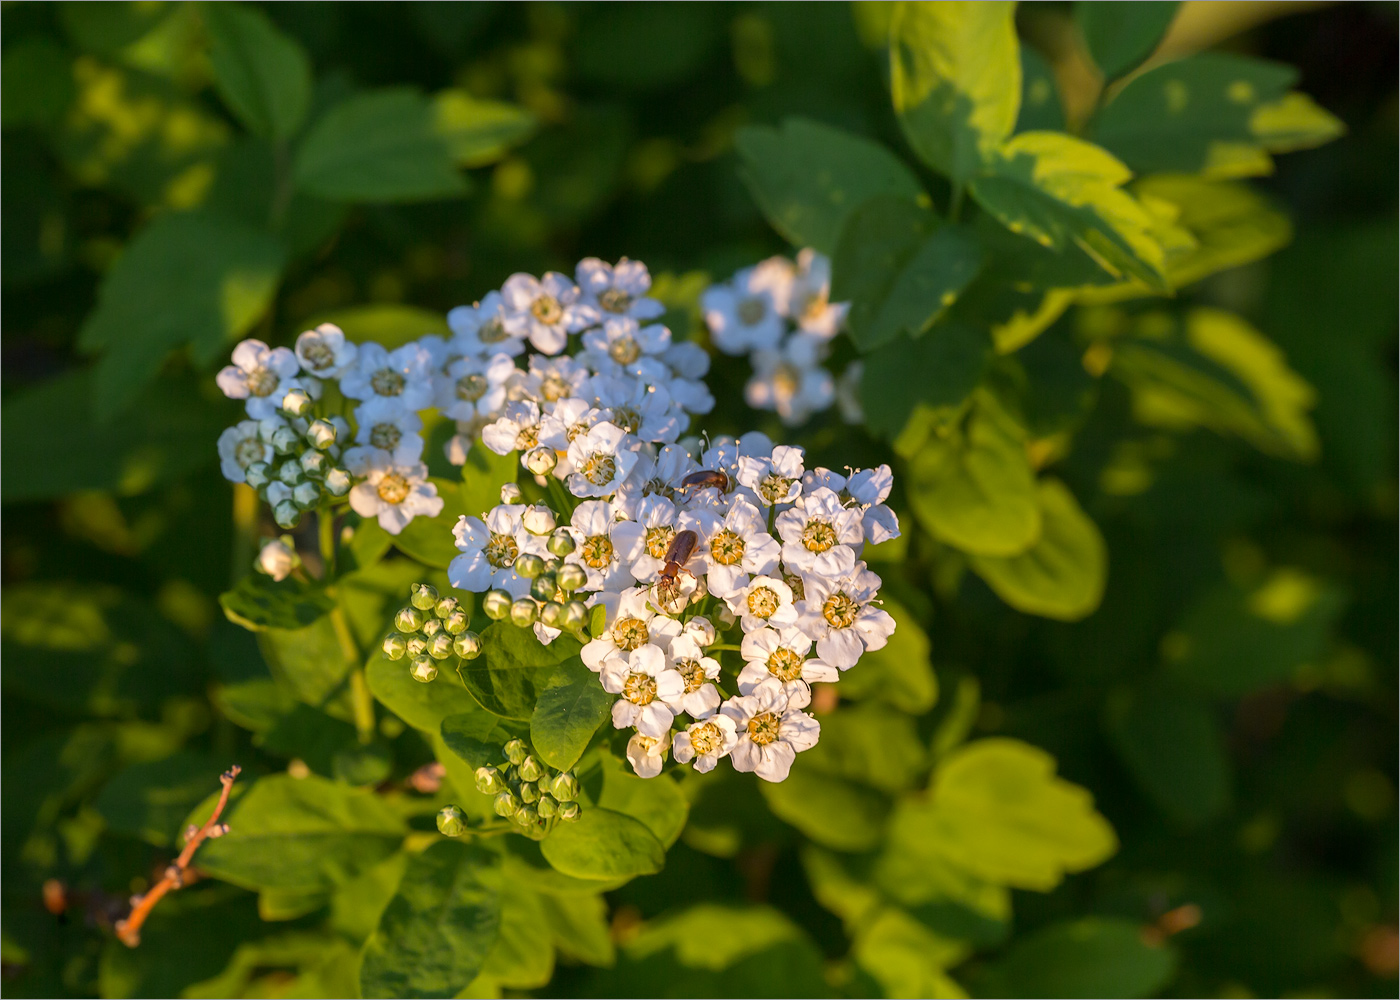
[{"x": 129, "y": 930}]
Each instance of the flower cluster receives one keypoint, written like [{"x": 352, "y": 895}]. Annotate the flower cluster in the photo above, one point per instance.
[
  {"x": 528, "y": 792},
  {"x": 780, "y": 314},
  {"x": 428, "y": 630},
  {"x": 740, "y": 538}
]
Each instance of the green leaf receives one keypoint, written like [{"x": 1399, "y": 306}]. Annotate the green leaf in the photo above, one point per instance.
[
  {"x": 258, "y": 602},
  {"x": 955, "y": 75},
  {"x": 422, "y": 706},
  {"x": 1041, "y": 108},
  {"x": 946, "y": 897},
  {"x": 1120, "y": 36},
  {"x": 380, "y": 146},
  {"x": 808, "y": 178},
  {"x": 602, "y": 844},
  {"x": 523, "y": 955},
  {"x": 569, "y": 710},
  {"x": 478, "y": 132},
  {"x": 438, "y": 929},
  {"x": 430, "y": 539},
  {"x": 899, "y": 269},
  {"x": 149, "y": 800},
  {"x": 1066, "y": 194},
  {"x": 830, "y": 810},
  {"x": 1172, "y": 745},
  {"x": 312, "y": 662},
  {"x": 37, "y": 83},
  {"x": 1062, "y": 574},
  {"x": 483, "y": 475},
  {"x": 899, "y": 674},
  {"x": 1213, "y": 113},
  {"x": 657, "y": 803},
  {"x": 1091, "y": 957},
  {"x": 289, "y": 904},
  {"x": 186, "y": 278},
  {"x": 308, "y": 833},
  {"x": 390, "y": 325},
  {"x": 870, "y": 744},
  {"x": 996, "y": 809},
  {"x": 579, "y": 926},
  {"x": 263, "y": 75},
  {"x": 928, "y": 379},
  {"x": 906, "y": 958},
  {"x": 975, "y": 489},
  {"x": 514, "y": 666},
  {"x": 478, "y": 736}
]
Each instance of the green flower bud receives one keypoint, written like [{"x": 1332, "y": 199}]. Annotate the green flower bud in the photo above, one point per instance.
[
  {"x": 284, "y": 440},
  {"x": 286, "y": 515},
  {"x": 296, "y": 402},
  {"x": 489, "y": 781},
  {"x": 516, "y": 751},
  {"x": 553, "y": 565},
  {"x": 510, "y": 493},
  {"x": 529, "y": 565},
  {"x": 552, "y": 614},
  {"x": 527, "y": 816},
  {"x": 321, "y": 434},
  {"x": 564, "y": 787},
  {"x": 456, "y": 623},
  {"x": 440, "y": 646},
  {"x": 290, "y": 472},
  {"x": 571, "y": 577},
  {"x": 408, "y": 620},
  {"x": 523, "y": 612},
  {"x": 547, "y": 806},
  {"x": 506, "y": 804},
  {"x": 467, "y": 645},
  {"x": 451, "y": 821},
  {"x": 542, "y": 587},
  {"x": 531, "y": 769},
  {"x": 496, "y": 604},
  {"x": 529, "y": 792},
  {"x": 575, "y": 615},
  {"x": 416, "y": 644},
  {"x": 446, "y": 607},
  {"x": 258, "y": 475},
  {"x": 561, "y": 542},
  {"x": 395, "y": 646},
  {"x": 423, "y": 597},
  {"x": 307, "y": 494},
  {"x": 569, "y": 811},
  {"x": 314, "y": 463},
  {"x": 431, "y": 627},
  {"x": 338, "y": 482},
  {"x": 423, "y": 669}
]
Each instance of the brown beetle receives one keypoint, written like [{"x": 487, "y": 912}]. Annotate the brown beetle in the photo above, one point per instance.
[
  {"x": 668, "y": 589},
  {"x": 706, "y": 478}
]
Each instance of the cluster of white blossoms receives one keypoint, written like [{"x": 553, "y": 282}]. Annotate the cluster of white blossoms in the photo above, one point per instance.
[
  {"x": 736, "y": 547},
  {"x": 781, "y": 315}
]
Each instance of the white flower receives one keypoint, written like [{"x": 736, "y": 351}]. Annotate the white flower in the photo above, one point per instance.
[
  {"x": 706, "y": 742},
  {"x": 569, "y": 419},
  {"x": 634, "y": 623},
  {"x": 604, "y": 546},
  {"x": 746, "y": 314},
  {"x": 654, "y": 476},
  {"x": 244, "y": 443},
  {"x": 775, "y": 479},
  {"x": 837, "y": 612},
  {"x": 656, "y": 517},
  {"x": 689, "y": 364},
  {"x": 474, "y": 387},
  {"x": 771, "y": 734},
  {"x": 489, "y": 550},
  {"x": 766, "y": 601},
  {"x": 552, "y": 379},
  {"x": 646, "y": 684},
  {"x": 480, "y": 329},
  {"x": 395, "y": 494},
  {"x": 599, "y": 461},
  {"x": 724, "y": 453},
  {"x": 517, "y": 429},
  {"x": 262, "y": 376},
  {"x": 699, "y": 698},
  {"x": 545, "y": 310},
  {"x": 324, "y": 351},
  {"x": 642, "y": 409},
  {"x": 870, "y": 488},
  {"x": 384, "y": 424},
  {"x": 790, "y": 380},
  {"x": 277, "y": 559},
  {"x": 617, "y": 290},
  {"x": 622, "y": 340},
  {"x": 404, "y": 375},
  {"x": 782, "y": 654},
  {"x": 646, "y": 755},
  {"x": 808, "y": 304},
  {"x": 735, "y": 547},
  {"x": 819, "y": 535},
  {"x": 687, "y": 360},
  {"x": 439, "y": 354}
]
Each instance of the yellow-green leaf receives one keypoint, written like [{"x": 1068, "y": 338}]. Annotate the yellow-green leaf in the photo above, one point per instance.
[{"x": 478, "y": 131}]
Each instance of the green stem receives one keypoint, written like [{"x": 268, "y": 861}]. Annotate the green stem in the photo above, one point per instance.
[
  {"x": 955, "y": 203},
  {"x": 725, "y": 645},
  {"x": 325, "y": 523},
  {"x": 361, "y": 701}
]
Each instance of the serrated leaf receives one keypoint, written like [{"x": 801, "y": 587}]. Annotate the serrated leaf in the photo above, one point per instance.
[
  {"x": 380, "y": 146},
  {"x": 477, "y": 131},
  {"x": 263, "y": 75},
  {"x": 808, "y": 178},
  {"x": 438, "y": 928},
  {"x": 1062, "y": 574},
  {"x": 570, "y": 708},
  {"x": 258, "y": 602},
  {"x": 955, "y": 75},
  {"x": 602, "y": 844},
  {"x": 1120, "y": 36}
]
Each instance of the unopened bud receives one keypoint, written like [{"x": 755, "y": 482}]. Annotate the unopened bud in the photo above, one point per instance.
[
  {"x": 455, "y": 623},
  {"x": 258, "y": 475},
  {"x": 446, "y": 607},
  {"x": 408, "y": 620},
  {"x": 496, "y": 604},
  {"x": 290, "y": 472},
  {"x": 277, "y": 558},
  {"x": 564, "y": 787},
  {"x": 307, "y": 494},
  {"x": 561, "y": 542},
  {"x": 467, "y": 645},
  {"x": 529, "y": 565},
  {"x": 506, "y": 804},
  {"x": 284, "y": 440},
  {"x": 531, "y": 769},
  {"x": 416, "y": 644},
  {"x": 451, "y": 821},
  {"x": 546, "y": 806},
  {"x": 395, "y": 646},
  {"x": 315, "y": 463},
  {"x": 510, "y": 493},
  {"x": 544, "y": 587},
  {"x": 516, "y": 751},
  {"x": 440, "y": 646},
  {"x": 489, "y": 781},
  {"x": 423, "y": 596},
  {"x": 423, "y": 669},
  {"x": 523, "y": 612},
  {"x": 529, "y": 792},
  {"x": 540, "y": 460},
  {"x": 286, "y": 515},
  {"x": 431, "y": 627},
  {"x": 338, "y": 482},
  {"x": 538, "y": 520},
  {"x": 321, "y": 434},
  {"x": 297, "y": 402},
  {"x": 571, "y": 577},
  {"x": 575, "y": 615},
  {"x": 569, "y": 811},
  {"x": 552, "y": 614}
]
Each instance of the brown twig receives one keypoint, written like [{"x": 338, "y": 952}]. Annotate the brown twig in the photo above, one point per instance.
[{"x": 129, "y": 930}]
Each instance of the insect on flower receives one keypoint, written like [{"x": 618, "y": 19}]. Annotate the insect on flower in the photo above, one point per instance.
[
  {"x": 706, "y": 478},
  {"x": 668, "y": 590}
]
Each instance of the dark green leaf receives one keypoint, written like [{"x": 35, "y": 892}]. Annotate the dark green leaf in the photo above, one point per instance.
[
  {"x": 262, "y": 74},
  {"x": 483, "y": 475},
  {"x": 899, "y": 674},
  {"x": 478, "y": 736},
  {"x": 507, "y": 677},
  {"x": 830, "y": 810},
  {"x": 571, "y": 707},
  {"x": 602, "y": 844},
  {"x": 258, "y": 602},
  {"x": 1093, "y": 957},
  {"x": 430, "y": 539},
  {"x": 151, "y": 800},
  {"x": 1040, "y": 95},
  {"x": 37, "y": 83},
  {"x": 938, "y": 372},
  {"x": 1120, "y": 36}
]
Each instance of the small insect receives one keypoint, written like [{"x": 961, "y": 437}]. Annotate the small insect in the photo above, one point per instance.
[
  {"x": 668, "y": 589},
  {"x": 706, "y": 478}
]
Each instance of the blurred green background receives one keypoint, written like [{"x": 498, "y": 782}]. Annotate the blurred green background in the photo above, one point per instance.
[{"x": 1277, "y": 816}]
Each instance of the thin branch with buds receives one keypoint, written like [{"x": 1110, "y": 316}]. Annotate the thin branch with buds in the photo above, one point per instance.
[{"x": 129, "y": 930}]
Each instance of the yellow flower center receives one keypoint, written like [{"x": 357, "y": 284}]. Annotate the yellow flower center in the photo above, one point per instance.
[
  {"x": 472, "y": 387},
  {"x": 599, "y": 469},
  {"x": 727, "y": 548},
  {"x": 248, "y": 451},
  {"x": 787, "y": 380},
  {"x": 501, "y": 551},
  {"x": 751, "y": 311},
  {"x": 630, "y": 633},
  {"x": 818, "y": 536},
  {"x": 624, "y": 350},
  {"x": 639, "y": 689},
  {"x": 493, "y": 331},
  {"x": 659, "y": 540},
  {"x": 763, "y": 602},
  {"x": 262, "y": 381},
  {"x": 692, "y": 673},
  {"x": 615, "y": 300},
  {"x": 387, "y": 382},
  {"x": 794, "y": 582},
  {"x": 555, "y": 387},
  {"x": 547, "y": 310},
  {"x": 627, "y": 418},
  {"x": 318, "y": 354},
  {"x": 527, "y": 437},
  {"x": 785, "y": 664},
  {"x": 763, "y": 728},
  {"x": 706, "y": 738},
  {"x": 386, "y": 436},
  {"x": 596, "y": 551},
  {"x": 774, "y": 488},
  {"x": 393, "y": 488},
  {"x": 840, "y": 611}
]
